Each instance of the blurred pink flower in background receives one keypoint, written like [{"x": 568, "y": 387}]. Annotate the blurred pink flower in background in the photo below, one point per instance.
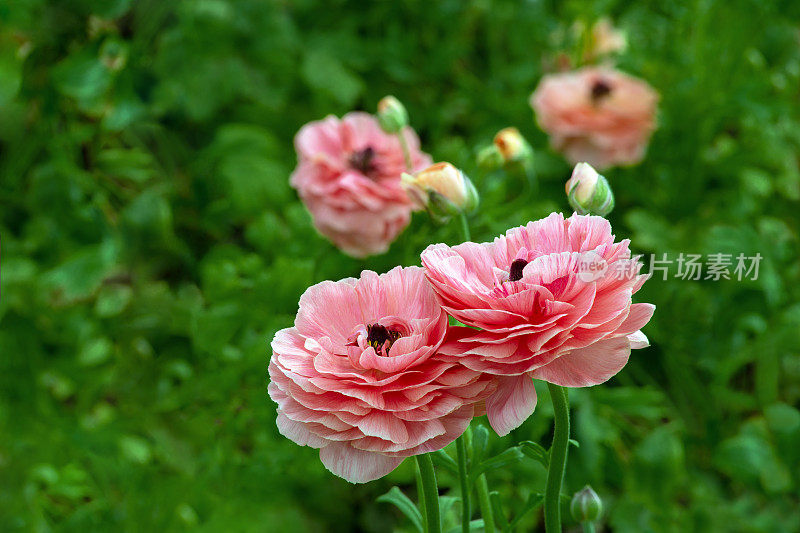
[
  {"x": 552, "y": 300},
  {"x": 596, "y": 114},
  {"x": 348, "y": 176},
  {"x": 359, "y": 375}
]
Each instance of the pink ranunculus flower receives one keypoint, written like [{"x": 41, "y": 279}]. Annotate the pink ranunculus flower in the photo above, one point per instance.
[
  {"x": 552, "y": 301},
  {"x": 596, "y": 114},
  {"x": 359, "y": 375},
  {"x": 348, "y": 175}
]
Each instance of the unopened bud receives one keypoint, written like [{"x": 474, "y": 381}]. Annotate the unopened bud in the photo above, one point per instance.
[
  {"x": 606, "y": 39},
  {"x": 489, "y": 158},
  {"x": 586, "y": 505},
  {"x": 392, "y": 114},
  {"x": 512, "y": 145},
  {"x": 443, "y": 190},
  {"x": 588, "y": 192}
]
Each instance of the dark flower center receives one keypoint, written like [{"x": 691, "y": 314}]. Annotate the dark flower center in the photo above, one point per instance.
[
  {"x": 600, "y": 90},
  {"x": 515, "y": 272},
  {"x": 378, "y": 336},
  {"x": 363, "y": 160}
]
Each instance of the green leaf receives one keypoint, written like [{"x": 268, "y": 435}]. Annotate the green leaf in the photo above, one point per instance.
[
  {"x": 441, "y": 458},
  {"x": 502, "y": 460},
  {"x": 474, "y": 525},
  {"x": 10, "y": 77},
  {"x": 135, "y": 449},
  {"x": 396, "y": 497},
  {"x": 95, "y": 352},
  {"x": 500, "y": 519},
  {"x": 480, "y": 440},
  {"x": 82, "y": 274},
  {"x": 535, "y": 451},
  {"x": 328, "y": 75},
  {"x": 534, "y": 501},
  {"x": 131, "y": 164},
  {"x": 112, "y": 300},
  {"x": 83, "y": 77}
]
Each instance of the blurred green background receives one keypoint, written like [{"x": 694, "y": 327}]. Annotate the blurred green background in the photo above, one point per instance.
[{"x": 151, "y": 246}]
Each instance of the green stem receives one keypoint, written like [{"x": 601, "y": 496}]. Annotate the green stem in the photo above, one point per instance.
[
  {"x": 421, "y": 497},
  {"x": 486, "y": 504},
  {"x": 588, "y": 527},
  {"x": 558, "y": 459},
  {"x": 430, "y": 492},
  {"x": 463, "y": 476},
  {"x": 406, "y": 152},
  {"x": 465, "y": 227}
]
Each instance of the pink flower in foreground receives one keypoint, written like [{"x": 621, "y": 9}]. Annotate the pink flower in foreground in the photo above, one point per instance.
[
  {"x": 552, "y": 300},
  {"x": 348, "y": 175},
  {"x": 359, "y": 375},
  {"x": 596, "y": 114}
]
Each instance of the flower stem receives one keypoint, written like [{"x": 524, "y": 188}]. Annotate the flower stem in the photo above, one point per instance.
[
  {"x": 420, "y": 492},
  {"x": 463, "y": 477},
  {"x": 486, "y": 504},
  {"x": 430, "y": 493},
  {"x": 588, "y": 527},
  {"x": 558, "y": 459},
  {"x": 465, "y": 227},
  {"x": 406, "y": 152}
]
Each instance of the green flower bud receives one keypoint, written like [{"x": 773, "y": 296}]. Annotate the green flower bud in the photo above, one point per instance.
[
  {"x": 588, "y": 192},
  {"x": 586, "y": 505},
  {"x": 392, "y": 115}
]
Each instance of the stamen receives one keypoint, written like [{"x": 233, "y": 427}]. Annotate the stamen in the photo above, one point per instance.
[
  {"x": 600, "y": 90},
  {"x": 381, "y": 338},
  {"x": 515, "y": 271},
  {"x": 363, "y": 160}
]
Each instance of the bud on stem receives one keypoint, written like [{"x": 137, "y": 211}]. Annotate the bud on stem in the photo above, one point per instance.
[
  {"x": 586, "y": 506},
  {"x": 588, "y": 192},
  {"x": 512, "y": 145},
  {"x": 443, "y": 190},
  {"x": 392, "y": 115}
]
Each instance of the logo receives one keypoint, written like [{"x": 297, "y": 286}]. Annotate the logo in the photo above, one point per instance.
[{"x": 591, "y": 267}]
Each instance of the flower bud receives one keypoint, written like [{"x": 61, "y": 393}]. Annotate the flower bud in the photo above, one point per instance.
[
  {"x": 586, "y": 505},
  {"x": 511, "y": 145},
  {"x": 392, "y": 115},
  {"x": 443, "y": 190},
  {"x": 606, "y": 39},
  {"x": 588, "y": 192},
  {"x": 489, "y": 158}
]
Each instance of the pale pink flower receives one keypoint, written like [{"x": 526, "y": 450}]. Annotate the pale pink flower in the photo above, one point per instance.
[
  {"x": 359, "y": 375},
  {"x": 596, "y": 114},
  {"x": 552, "y": 301},
  {"x": 348, "y": 175}
]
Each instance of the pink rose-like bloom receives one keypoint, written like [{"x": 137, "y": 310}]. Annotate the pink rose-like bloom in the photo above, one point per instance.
[
  {"x": 552, "y": 300},
  {"x": 359, "y": 375},
  {"x": 348, "y": 176},
  {"x": 596, "y": 114}
]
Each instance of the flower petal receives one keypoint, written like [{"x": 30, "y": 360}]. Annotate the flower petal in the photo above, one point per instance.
[
  {"x": 512, "y": 403},
  {"x": 356, "y": 466},
  {"x": 587, "y": 366}
]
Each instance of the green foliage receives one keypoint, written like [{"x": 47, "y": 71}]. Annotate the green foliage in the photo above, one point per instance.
[{"x": 151, "y": 247}]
